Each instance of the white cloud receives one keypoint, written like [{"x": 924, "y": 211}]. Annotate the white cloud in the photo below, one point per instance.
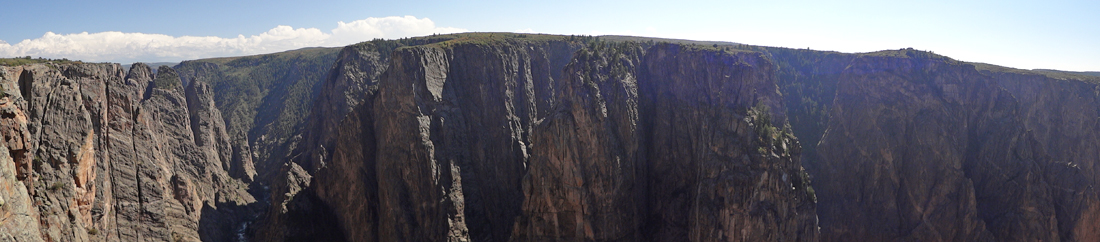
[
  {"x": 387, "y": 28},
  {"x": 129, "y": 47}
]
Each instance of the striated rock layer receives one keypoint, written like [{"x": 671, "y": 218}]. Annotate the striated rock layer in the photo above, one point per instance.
[{"x": 102, "y": 155}]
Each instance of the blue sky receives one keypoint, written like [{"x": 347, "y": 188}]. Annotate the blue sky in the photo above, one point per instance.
[{"x": 1024, "y": 34}]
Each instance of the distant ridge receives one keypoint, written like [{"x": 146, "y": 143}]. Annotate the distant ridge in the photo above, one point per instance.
[
  {"x": 1087, "y": 73},
  {"x": 154, "y": 65}
]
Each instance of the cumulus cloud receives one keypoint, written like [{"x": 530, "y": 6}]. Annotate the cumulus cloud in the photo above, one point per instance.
[
  {"x": 386, "y": 28},
  {"x": 129, "y": 47}
]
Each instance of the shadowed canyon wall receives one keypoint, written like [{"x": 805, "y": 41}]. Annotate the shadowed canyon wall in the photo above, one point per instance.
[{"x": 545, "y": 140}]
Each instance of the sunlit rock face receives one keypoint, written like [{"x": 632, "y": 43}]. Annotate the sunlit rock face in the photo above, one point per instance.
[{"x": 106, "y": 155}]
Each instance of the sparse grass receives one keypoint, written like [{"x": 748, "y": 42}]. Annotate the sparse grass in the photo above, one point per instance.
[
  {"x": 812, "y": 193},
  {"x": 908, "y": 53},
  {"x": 167, "y": 79},
  {"x": 1055, "y": 74},
  {"x": 27, "y": 60},
  {"x": 57, "y": 186},
  {"x": 715, "y": 44},
  {"x": 804, "y": 179},
  {"x": 761, "y": 120},
  {"x": 488, "y": 38},
  {"x": 716, "y": 48}
]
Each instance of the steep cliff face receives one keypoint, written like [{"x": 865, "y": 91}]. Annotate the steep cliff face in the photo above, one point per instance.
[
  {"x": 333, "y": 121},
  {"x": 498, "y": 139},
  {"x": 103, "y": 156},
  {"x": 19, "y": 220},
  {"x": 1062, "y": 114},
  {"x": 922, "y": 147},
  {"x": 479, "y": 149},
  {"x": 264, "y": 101},
  {"x": 635, "y": 152},
  {"x": 745, "y": 173},
  {"x": 586, "y": 178}
]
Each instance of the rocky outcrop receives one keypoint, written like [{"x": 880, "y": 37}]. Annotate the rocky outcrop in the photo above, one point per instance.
[
  {"x": 19, "y": 219},
  {"x": 209, "y": 131},
  {"x": 115, "y": 157},
  {"x": 297, "y": 214},
  {"x": 241, "y": 164}
]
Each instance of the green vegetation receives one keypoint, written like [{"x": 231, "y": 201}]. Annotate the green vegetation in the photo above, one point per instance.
[
  {"x": 264, "y": 95},
  {"x": 768, "y": 134},
  {"x": 167, "y": 79},
  {"x": 57, "y": 186},
  {"x": 282, "y": 84},
  {"x": 604, "y": 61},
  {"x": 714, "y": 44},
  {"x": 1092, "y": 77},
  {"x": 489, "y": 38},
  {"x": 93, "y": 231},
  {"x": 804, "y": 183},
  {"x": 909, "y": 53},
  {"x": 769, "y": 140},
  {"x": 28, "y": 60},
  {"x": 1068, "y": 75},
  {"x": 808, "y": 80},
  {"x": 597, "y": 48},
  {"x": 1087, "y": 73}
]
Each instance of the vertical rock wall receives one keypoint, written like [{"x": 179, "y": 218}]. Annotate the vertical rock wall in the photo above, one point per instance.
[
  {"x": 479, "y": 141},
  {"x": 108, "y": 156}
]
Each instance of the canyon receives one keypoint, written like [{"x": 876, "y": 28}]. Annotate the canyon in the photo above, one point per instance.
[{"x": 526, "y": 137}]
